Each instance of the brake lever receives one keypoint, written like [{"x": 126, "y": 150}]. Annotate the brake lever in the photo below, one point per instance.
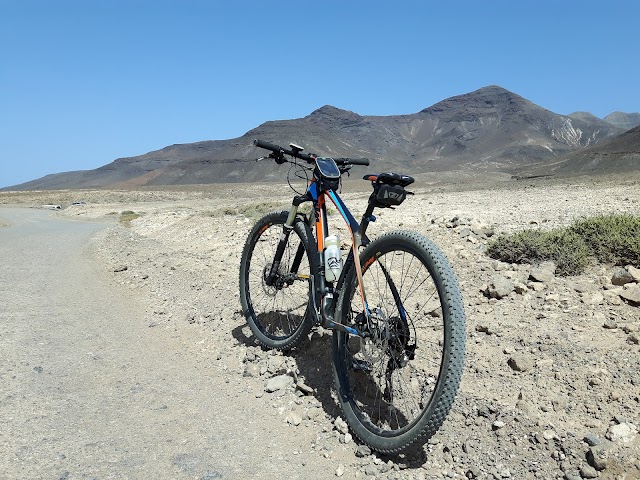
[{"x": 279, "y": 158}]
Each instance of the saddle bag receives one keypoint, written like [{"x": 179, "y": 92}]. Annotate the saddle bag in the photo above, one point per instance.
[{"x": 391, "y": 195}]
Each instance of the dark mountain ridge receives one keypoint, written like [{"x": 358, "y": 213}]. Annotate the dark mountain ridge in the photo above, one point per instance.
[{"x": 490, "y": 129}]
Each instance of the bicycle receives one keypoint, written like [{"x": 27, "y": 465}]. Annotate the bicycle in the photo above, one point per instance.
[{"x": 397, "y": 313}]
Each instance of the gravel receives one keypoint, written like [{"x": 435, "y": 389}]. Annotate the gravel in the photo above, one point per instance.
[{"x": 551, "y": 360}]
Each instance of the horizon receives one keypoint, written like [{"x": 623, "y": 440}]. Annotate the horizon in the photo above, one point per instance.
[{"x": 87, "y": 84}]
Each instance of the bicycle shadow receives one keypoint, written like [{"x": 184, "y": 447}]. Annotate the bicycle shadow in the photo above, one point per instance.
[
  {"x": 242, "y": 338},
  {"x": 313, "y": 359}
]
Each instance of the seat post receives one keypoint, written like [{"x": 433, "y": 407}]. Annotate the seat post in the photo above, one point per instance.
[{"x": 367, "y": 216}]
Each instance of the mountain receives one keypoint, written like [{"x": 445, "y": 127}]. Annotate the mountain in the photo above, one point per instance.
[
  {"x": 623, "y": 120},
  {"x": 493, "y": 127},
  {"x": 586, "y": 116},
  {"x": 490, "y": 129},
  {"x": 620, "y": 154}
]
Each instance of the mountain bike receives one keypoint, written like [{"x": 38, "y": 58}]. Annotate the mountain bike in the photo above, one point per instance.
[{"x": 394, "y": 304}]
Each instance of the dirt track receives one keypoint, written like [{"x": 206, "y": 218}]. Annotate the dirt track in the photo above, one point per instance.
[{"x": 89, "y": 390}]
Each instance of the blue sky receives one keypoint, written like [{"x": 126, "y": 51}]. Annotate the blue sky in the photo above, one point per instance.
[{"x": 85, "y": 82}]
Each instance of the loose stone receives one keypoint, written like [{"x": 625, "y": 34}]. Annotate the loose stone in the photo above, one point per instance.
[
  {"x": 543, "y": 273},
  {"x": 588, "y": 472},
  {"x": 281, "y": 382},
  {"x": 621, "y": 277},
  {"x": 591, "y": 440},
  {"x": 363, "y": 451},
  {"x": 623, "y": 432},
  {"x": 520, "y": 363}
]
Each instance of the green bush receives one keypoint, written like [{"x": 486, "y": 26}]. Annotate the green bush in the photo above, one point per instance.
[
  {"x": 252, "y": 211},
  {"x": 608, "y": 238},
  {"x": 611, "y": 238},
  {"x": 566, "y": 249},
  {"x": 128, "y": 216}
]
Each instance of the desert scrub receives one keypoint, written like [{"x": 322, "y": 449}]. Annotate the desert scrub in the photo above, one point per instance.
[
  {"x": 254, "y": 211},
  {"x": 607, "y": 238},
  {"x": 568, "y": 250},
  {"x": 611, "y": 238},
  {"x": 127, "y": 216},
  {"x": 251, "y": 211}
]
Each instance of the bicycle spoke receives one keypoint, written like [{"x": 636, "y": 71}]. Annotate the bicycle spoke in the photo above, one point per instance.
[
  {"x": 278, "y": 309},
  {"x": 396, "y": 392}
]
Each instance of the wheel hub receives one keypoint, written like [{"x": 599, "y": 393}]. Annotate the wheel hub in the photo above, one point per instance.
[{"x": 270, "y": 290}]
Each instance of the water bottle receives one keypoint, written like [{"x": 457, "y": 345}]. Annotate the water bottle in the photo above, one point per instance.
[{"x": 332, "y": 258}]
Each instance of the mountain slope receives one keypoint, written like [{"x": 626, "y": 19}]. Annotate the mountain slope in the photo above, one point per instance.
[
  {"x": 488, "y": 129},
  {"x": 623, "y": 120},
  {"x": 493, "y": 126},
  {"x": 620, "y": 154}
]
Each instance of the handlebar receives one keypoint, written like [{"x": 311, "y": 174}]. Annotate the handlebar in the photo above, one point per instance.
[
  {"x": 352, "y": 161},
  {"x": 266, "y": 145},
  {"x": 279, "y": 153}
]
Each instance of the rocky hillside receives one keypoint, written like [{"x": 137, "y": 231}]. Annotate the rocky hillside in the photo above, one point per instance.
[
  {"x": 623, "y": 120},
  {"x": 491, "y": 129},
  {"x": 618, "y": 155}
]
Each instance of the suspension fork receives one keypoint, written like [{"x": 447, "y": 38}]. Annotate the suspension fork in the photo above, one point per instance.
[
  {"x": 284, "y": 238},
  {"x": 282, "y": 244}
]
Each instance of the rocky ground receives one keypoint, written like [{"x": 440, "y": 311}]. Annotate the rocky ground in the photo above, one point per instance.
[{"x": 551, "y": 387}]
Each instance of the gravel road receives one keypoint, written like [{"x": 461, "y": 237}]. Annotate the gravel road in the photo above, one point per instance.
[{"x": 88, "y": 390}]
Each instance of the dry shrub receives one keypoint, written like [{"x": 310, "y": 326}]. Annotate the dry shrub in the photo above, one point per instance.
[{"x": 613, "y": 238}]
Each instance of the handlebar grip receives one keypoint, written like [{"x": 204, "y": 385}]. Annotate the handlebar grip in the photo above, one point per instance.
[
  {"x": 359, "y": 161},
  {"x": 267, "y": 146},
  {"x": 352, "y": 161}
]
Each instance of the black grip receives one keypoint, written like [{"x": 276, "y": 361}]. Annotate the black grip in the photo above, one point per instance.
[
  {"x": 267, "y": 146},
  {"x": 352, "y": 161},
  {"x": 359, "y": 161}
]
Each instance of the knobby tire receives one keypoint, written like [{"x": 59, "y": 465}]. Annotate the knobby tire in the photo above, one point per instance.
[
  {"x": 280, "y": 316},
  {"x": 401, "y": 270}
]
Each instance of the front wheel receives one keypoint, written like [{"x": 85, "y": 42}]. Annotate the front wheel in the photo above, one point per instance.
[
  {"x": 397, "y": 384},
  {"x": 278, "y": 310}
]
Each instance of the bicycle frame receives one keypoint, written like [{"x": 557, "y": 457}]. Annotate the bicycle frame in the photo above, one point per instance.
[
  {"x": 390, "y": 401},
  {"x": 323, "y": 291}
]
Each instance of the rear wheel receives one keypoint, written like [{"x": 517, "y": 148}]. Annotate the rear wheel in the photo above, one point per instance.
[
  {"x": 397, "y": 385},
  {"x": 279, "y": 314}
]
